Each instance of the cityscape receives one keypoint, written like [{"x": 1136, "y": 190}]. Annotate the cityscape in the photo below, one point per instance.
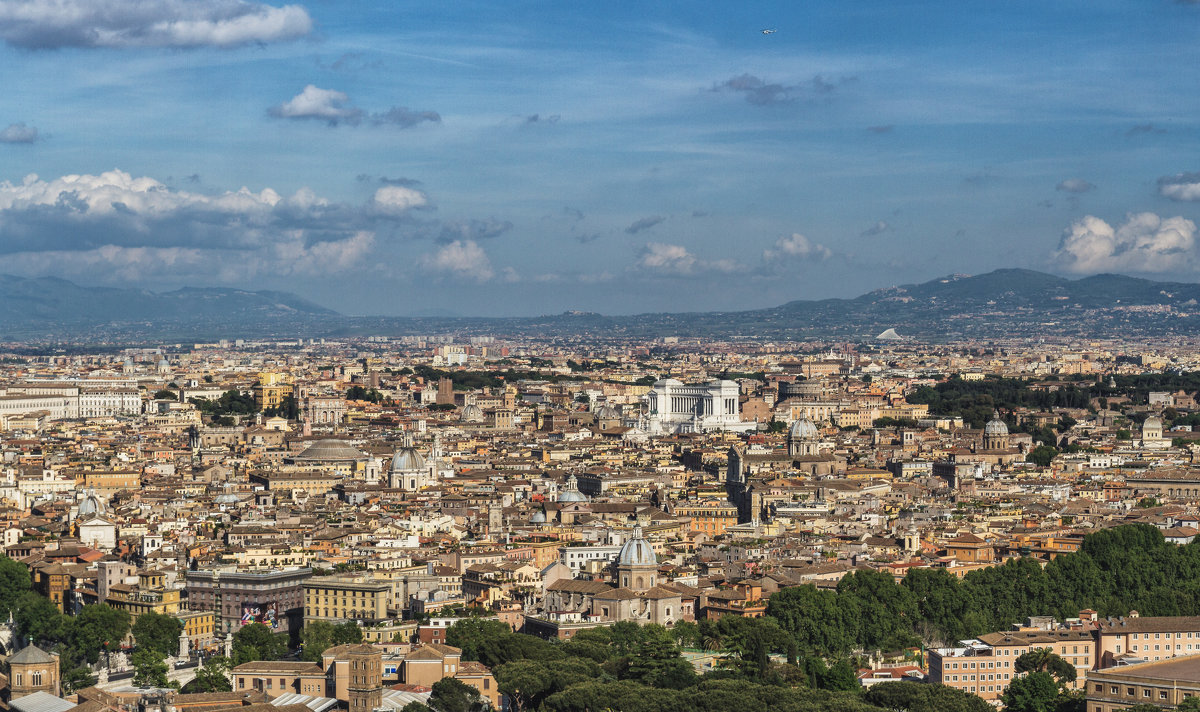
[{"x": 467, "y": 356}]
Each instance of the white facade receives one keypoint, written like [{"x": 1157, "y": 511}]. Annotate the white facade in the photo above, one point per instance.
[{"x": 675, "y": 407}]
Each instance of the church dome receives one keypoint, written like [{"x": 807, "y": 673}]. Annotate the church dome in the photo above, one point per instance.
[
  {"x": 803, "y": 429},
  {"x": 1152, "y": 423},
  {"x": 571, "y": 492},
  {"x": 995, "y": 427},
  {"x": 539, "y": 517},
  {"x": 90, "y": 505},
  {"x": 471, "y": 413},
  {"x": 407, "y": 458},
  {"x": 607, "y": 412},
  {"x": 637, "y": 551}
]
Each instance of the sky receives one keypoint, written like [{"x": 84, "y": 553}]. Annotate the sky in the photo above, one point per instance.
[{"x": 524, "y": 158}]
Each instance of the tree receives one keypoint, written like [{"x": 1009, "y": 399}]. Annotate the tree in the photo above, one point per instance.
[
  {"x": 656, "y": 662},
  {"x": 1046, "y": 660},
  {"x": 841, "y": 676},
  {"x": 213, "y": 676},
  {"x": 38, "y": 619},
  {"x": 150, "y": 669},
  {"x": 166, "y": 394},
  {"x": 922, "y": 697},
  {"x": 1035, "y": 692},
  {"x": 451, "y": 695},
  {"x": 74, "y": 677},
  {"x": 14, "y": 582},
  {"x": 316, "y": 638},
  {"x": 95, "y": 629},
  {"x": 527, "y": 683},
  {"x": 158, "y": 632},
  {"x": 257, "y": 642},
  {"x": 1042, "y": 455}
]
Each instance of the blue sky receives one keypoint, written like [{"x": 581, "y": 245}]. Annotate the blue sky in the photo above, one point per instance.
[{"x": 524, "y": 158}]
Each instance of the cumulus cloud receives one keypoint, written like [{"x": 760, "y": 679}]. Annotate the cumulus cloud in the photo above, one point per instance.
[
  {"x": 644, "y": 224},
  {"x": 797, "y": 246},
  {"x": 670, "y": 259},
  {"x": 1184, "y": 186},
  {"x": 463, "y": 259},
  {"x": 19, "y": 133},
  {"x": 334, "y": 107},
  {"x": 662, "y": 257},
  {"x": 37, "y": 24},
  {"x": 1145, "y": 242},
  {"x": 127, "y": 222},
  {"x": 315, "y": 103},
  {"x": 877, "y": 229},
  {"x": 396, "y": 200},
  {"x": 1074, "y": 185}
]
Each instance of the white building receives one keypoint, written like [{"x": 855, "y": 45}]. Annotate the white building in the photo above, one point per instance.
[{"x": 675, "y": 407}]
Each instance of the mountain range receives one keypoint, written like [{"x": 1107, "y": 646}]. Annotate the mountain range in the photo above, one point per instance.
[{"x": 1005, "y": 302}]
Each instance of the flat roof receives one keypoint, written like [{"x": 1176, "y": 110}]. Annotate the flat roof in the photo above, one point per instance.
[{"x": 1181, "y": 669}]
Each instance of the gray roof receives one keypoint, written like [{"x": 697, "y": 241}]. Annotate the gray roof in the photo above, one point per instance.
[
  {"x": 40, "y": 702},
  {"x": 31, "y": 654},
  {"x": 331, "y": 449}
]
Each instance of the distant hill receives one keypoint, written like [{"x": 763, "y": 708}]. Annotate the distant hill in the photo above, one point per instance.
[
  {"x": 1006, "y": 302},
  {"x": 48, "y": 305}
]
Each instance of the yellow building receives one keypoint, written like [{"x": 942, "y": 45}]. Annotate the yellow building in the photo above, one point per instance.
[
  {"x": 148, "y": 594},
  {"x": 114, "y": 480},
  {"x": 336, "y": 599},
  {"x": 710, "y": 518},
  {"x": 271, "y": 389},
  {"x": 198, "y": 626}
]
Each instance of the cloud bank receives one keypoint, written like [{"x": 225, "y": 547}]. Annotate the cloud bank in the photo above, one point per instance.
[
  {"x": 56, "y": 24},
  {"x": 126, "y": 227}
]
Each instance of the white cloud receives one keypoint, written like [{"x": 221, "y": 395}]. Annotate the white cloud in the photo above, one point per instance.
[
  {"x": 670, "y": 259},
  {"x": 316, "y": 103},
  {"x": 797, "y": 246},
  {"x": 1145, "y": 242},
  {"x": 662, "y": 257},
  {"x": 461, "y": 258},
  {"x": 396, "y": 200},
  {"x": 1185, "y": 186},
  {"x": 51, "y": 24},
  {"x": 19, "y": 133}
]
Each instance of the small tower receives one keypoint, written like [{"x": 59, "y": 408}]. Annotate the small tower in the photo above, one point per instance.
[{"x": 32, "y": 670}]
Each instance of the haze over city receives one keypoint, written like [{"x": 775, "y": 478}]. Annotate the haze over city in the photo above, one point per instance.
[{"x": 525, "y": 158}]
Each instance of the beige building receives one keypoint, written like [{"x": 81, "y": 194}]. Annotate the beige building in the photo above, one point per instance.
[
  {"x": 985, "y": 666},
  {"x": 1149, "y": 639},
  {"x": 1164, "y": 684}
]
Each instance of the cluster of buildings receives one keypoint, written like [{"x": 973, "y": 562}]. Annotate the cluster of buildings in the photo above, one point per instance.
[{"x": 557, "y": 487}]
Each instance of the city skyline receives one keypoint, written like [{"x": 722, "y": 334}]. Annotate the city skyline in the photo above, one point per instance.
[{"x": 398, "y": 159}]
